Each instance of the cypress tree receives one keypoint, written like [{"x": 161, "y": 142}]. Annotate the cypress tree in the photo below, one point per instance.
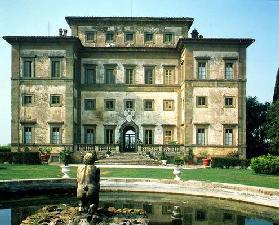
[{"x": 276, "y": 88}]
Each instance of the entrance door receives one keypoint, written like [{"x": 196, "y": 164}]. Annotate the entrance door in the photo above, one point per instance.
[{"x": 129, "y": 140}]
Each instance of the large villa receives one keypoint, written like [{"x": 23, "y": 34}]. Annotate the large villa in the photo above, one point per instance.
[{"x": 129, "y": 83}]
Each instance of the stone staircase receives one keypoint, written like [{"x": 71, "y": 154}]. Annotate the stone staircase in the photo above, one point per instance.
[{"x": 128, "y": 158}]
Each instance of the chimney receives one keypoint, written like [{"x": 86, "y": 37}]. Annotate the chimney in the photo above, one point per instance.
[
  {"x": 195, "y": 33},
  {"x": 65, "y": 33},
  {"x": 60, "y": 32}
]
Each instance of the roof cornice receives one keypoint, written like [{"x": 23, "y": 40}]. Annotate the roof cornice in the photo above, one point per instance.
[{"x": 215, "y": 41}]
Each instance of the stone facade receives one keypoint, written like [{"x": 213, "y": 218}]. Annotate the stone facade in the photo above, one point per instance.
[{"x": 129, "y": 81}]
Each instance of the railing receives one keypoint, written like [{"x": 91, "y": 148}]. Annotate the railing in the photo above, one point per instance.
[
  {"x": 156, "y": 149},
  {"x": 96, "y": 147}
]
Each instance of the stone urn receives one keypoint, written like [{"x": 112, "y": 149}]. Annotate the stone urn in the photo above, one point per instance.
[
  {"x": 164, "y": 162},
  {"x": 177, "y": 172},
  {"x": 65, "y": 171}
]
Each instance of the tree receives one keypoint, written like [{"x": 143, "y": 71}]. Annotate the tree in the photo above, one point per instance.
[
  {"x": 276, "y": 88},
  {"x": 272, "y": 128},
  {"x": 255, "y": 127}
]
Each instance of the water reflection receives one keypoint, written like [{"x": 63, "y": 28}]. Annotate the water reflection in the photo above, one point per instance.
[{"x": 164, "y": 210}]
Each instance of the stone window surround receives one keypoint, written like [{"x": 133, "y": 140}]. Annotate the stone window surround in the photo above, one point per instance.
[
  {"x": 233, "y": 127},
  {"x": 234, "y": 61},
  {"x": 167, "y": 35},
  {"x": 60, "y": 59},
  {"x": 32, "y": 72},
  {"x": 171, "y": 128},
  {"x": 126, "y": 34},
  {"x": 85, "y": 68},
  {"x": 32, "y": 126},
  {"x": 86, "y": 101},
  {"x": 167, "y": 101},
  {"x": 128, "y": 79},
  {"x": 202, "y": 59},
  {"x": 201, "y": 126},
  {"x": 23, "y": 99},
  {"x": 55, "y": 104},
  {"x": 109, "y": 36},
  {"x": 146, "y": 68},
  {"x": 152, "y": 102},
  {"x": 56, "y": 125},
  {"x": 109, "y": 127},
  {"x": 89, "y": 126},
  {"x": 133, "y": 103},
  {"x": 226, "y": 98},
  {"x": 145, "y": 129},
  {"x": 105, "y": 105},
  {"x": 150, "y": 34},
  {"x": 198, "y": 101},
  {"x": 94, "y": 35},
  {"x": 172, "y": 79},
  {"x": 112, "y": 67}
]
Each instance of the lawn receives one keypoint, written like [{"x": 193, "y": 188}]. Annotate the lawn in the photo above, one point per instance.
[{"x": 234, "y": 176}]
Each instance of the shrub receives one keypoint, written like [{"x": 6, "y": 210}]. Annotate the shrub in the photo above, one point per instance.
[
  {"x": 65, "y": 156},
  {"x": 266, "y": 164},
  {"x": 178, "y": 160},
  {"x": 228, "y": 162},
  {"x": 5, "y": 148},
  {"x": 163, "y": 156},
  {"x": 20, "y": 157}
]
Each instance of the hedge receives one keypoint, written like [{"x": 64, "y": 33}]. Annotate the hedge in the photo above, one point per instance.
[
  {"x": 266, "y": 164},
  {"x": 20, "y": 157},
  {"x": 5, "y": 148},
  {"x": 228, "y": 162}
]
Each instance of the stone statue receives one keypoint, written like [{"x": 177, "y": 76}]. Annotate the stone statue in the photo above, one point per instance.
[{"x": 88, "y": 179}]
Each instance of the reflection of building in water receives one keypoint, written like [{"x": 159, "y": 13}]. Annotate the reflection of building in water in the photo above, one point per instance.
[
  {"x": 129, "y": 83},
  {"x": 160, "y": 214}
]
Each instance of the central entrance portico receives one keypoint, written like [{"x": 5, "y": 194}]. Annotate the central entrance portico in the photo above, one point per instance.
[{"x": 129, "y": 132}]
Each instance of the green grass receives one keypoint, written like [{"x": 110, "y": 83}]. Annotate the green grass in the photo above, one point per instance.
[{"x": 234, "y": 176}]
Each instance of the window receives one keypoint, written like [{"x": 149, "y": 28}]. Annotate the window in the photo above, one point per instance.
[
  {"x": 148, "y": 37},
  {"x": 228, "y": 137},
  {"x": 168, "y": 105},
  {"x": 109, "y": 36},
  {"x": 201, "y": 101},
  {"x": 229, "y": 102},
  {"x": 201, "y": 136},
  {"x": 169, "y": 76},
  {"x": 55, "y": 135},
  {"x": 90, "y": 75},
  {"x": 26, "y": 100},
  {"x": 27, "y": 68},
  {"x": 168, "y": 135},
  {"x": 109, "y": 76},
  {"x": 148, "y": 137},
  {"x": 55, "y": 100},
  {"x": 200, "y": 215},
  {"x": 129, "y": 36},
  {"x": 109, "y": 135},
  {"x": 27, "y": 135},
  {"x": 148, "y": 105},
  {"x": 148, "y": 75},
  {"x": 201, "y": 70},
  {"x": 148, "y": 208},
  {"x": 129, "y": 104},
  {"x": 109, "y": 105},
  {"x": 229, "y": 71},
  {"x": 90, "y": 36},
  {"x": 227, "y": 217},
  {"x": 89, "y": 104},
  {"x": 129, "y": 76},
  {"x": 55, "y": 69},
  {"x": 168, "y": 37},
  {"x": 89, "y": 135}
]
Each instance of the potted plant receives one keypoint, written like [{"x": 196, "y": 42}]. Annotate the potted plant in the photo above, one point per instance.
[
  {"x": 177, "y": 169},
  {"x": 45, "y": 154},
  {"x": 205, "y": 159},
  {"x": 163, "y": 158},
  {"x": 190, "y": 156},
  {"x": 65, "y": 157}
]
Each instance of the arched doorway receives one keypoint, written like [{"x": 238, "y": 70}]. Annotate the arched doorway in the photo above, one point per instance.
[{"x": 128, "y": 137}]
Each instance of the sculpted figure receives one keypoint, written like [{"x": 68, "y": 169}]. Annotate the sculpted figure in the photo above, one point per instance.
[{"x": 88, "y": 179}]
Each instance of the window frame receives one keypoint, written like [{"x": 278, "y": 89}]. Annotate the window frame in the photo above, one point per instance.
[
  {"x": 87, "y": 79},
  {"x": 128, "y": 76},
  {"x": 94, "y": 36},
  {"x": 198, "y": 105},
  {"x": 105, "y": 104},
  {"x": 165, "y": 102},
  {"x": 147, "y": 75},
  {"x": 228, "y": 141},
  {"x": 145, "y": 37},
  {"x": 31, "y": 134},
  {"x": 232, "y": 71},
  {"x": 145, "y": 101},
  {"x": 55, "y": 104},
  {"x": 53, "y": 71},
  {"x": 24, "y": 98},
  {"x": 59, "y": 140},
  {"x": 110, "y": 140},
  {"x": 148, "y": 136},
  {"x": 133, "y": 104},
  {"x": 200, "y": 75},
  {"x": 85, "y": 129},
  {"x": 226, "y": 98},
  {"x": 167, "y": 139},
  {"x": 92, "y": 106},
  {"x": 126, "y": 34},
  {"x": 109, "y": 78},
  {"x": 166, "y": 37},
  {"x": 110, "y": 34},
  {"x": 169, "y": 78},
  {"x": 31, "y": 67}
]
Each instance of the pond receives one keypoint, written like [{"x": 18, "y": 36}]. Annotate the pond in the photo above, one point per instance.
[{"x": 159, "y": 207}]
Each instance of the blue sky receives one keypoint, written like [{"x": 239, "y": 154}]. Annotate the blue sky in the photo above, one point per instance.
[{"x": 256, "y": 19}]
